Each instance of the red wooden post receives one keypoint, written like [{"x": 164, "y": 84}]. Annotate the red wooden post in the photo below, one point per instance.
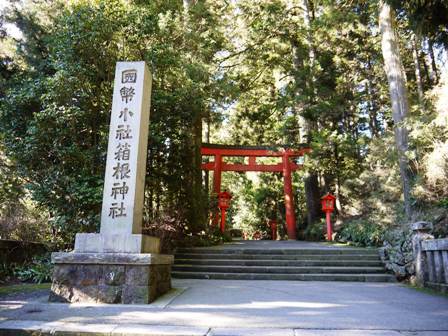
[
  {"x": 223, "y": 220},
  {"x": 217, "y": 182},
  {"x": 329, "y": 228},
  {"x": 289, "y": 201},
  {"x": 252, "y": 161},
  {"x": 217, "y": 174}
]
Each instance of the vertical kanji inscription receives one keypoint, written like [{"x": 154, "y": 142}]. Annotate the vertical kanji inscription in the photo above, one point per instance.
[{"x": 126, "y": 156}]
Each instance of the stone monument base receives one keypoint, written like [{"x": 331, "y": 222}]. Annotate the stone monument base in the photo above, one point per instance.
[
  {"x": 116, "y": 243},
  {"x": 129, "y": 278}
]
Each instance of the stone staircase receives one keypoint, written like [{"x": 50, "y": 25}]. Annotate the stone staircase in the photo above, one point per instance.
[{"x": 316, "y": 264}]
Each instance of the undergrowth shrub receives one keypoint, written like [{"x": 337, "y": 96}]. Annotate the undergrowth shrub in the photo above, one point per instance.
[
  {"x": 174, "y": 231},
  {"x": 38, "y": 271},
  {"x": 362, "y": 232},
  {"x": 6, "y": 272},
  {"x": 315, "y": 231},
  {"x": 209, "y": 237},
  {"x": 168, "y": 226}
]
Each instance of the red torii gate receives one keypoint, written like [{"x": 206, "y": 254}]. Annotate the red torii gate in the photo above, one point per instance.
[{"x": 252, "y": 152}]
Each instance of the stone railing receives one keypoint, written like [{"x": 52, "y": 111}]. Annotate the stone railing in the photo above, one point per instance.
[
  {"x": 431, "y": 257},
  {"x": 436, "y": 251}
]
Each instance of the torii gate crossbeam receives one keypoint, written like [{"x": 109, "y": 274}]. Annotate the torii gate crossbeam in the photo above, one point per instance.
[{"x": 253, "y": 152}]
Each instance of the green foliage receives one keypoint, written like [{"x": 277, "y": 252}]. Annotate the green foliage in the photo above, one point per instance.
[
  {"x": 38, "y": 271},
  {"x": 444, "y": 202},
  {"x": 427, "y": 17},
  {"x": 6, "y": 272},
  {"x": 256, "y": 199},
  {"x": 210, "y": 237},
  {"x": 361, "y": 232},
  {"x": 25, "y": 222},
  {"x": 173, "y": 230},
  {"x": 55, "y": 112},
  {"x": 20, "y": 219},
  {"x": 315, "y": 231},
  {"x": 258, "y": 72}
]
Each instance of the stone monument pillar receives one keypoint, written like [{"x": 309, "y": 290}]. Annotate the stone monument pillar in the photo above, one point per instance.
[{"x": 119, "y": 264}]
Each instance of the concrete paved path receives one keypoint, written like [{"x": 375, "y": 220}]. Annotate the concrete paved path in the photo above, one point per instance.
[{"x": 262, "y": 308}]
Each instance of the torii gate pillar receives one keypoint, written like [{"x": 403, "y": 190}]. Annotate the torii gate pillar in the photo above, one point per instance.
[{"x": 217, "y": 183}]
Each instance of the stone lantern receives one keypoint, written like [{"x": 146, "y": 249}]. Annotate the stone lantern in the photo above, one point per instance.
[
  {"x": 224, "y": 198},
  {"x": 328, "y": 207}
]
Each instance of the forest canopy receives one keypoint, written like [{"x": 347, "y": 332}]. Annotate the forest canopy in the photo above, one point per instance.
[{"x": 363, "y": 83}]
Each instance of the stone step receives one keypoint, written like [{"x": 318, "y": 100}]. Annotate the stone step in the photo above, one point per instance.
[
  {"x": 240, "y": 256},
  {"x": 253, "y": 251},
  {"x": 276, "y": 269},
  {"x": 292, "y": 277},
  {"x": 317, "y": 264},
  {"x": 263, "y": 262}
]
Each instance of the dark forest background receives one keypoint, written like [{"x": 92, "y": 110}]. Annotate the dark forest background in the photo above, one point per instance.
[{"x": 362, "y": 82}]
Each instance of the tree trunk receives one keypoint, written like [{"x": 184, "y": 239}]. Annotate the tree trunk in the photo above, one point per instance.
[
  {"x": 418, "y": 77},
  {"x": 434, "y": 70},
  {"x": 207, "y": 140},
  {"x": 426, "y": 70},
  {"x": 197, "y": 205},
  {"x": 311, "y": 49},
  {"x": 198, "y": 202},
  {"x": 312, "y": 194},
  {"x": 312, "y": 197},
  {"x": 373, "y": 113},
  {"x": 398, "y": 96}
]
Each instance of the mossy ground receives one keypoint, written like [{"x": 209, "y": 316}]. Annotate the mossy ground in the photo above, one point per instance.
[
  {"x": 428, "y": 291},
  {"x": 22, "y": 288}
]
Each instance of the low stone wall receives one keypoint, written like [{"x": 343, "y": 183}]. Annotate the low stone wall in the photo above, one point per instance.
[
  {"x": 18, "y": 252},
  {"x": 431, "y": 257}
]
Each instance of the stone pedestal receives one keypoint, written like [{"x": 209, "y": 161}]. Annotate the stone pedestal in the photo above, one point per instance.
[
  {"x": 116, "y": 243},
  {"x": 127, "y": 278}
]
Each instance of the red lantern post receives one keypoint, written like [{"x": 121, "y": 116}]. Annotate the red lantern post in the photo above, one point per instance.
[
  {"x": 328, "y": 207},
  {"x": 223, "y": 204}
]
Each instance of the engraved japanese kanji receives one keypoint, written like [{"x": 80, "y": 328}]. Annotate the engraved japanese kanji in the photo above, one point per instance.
[
  {"x": 121, "y": 171},
  {"x": 117, "y": 210},
  {"x": 119, "y": 189},
  {"x": 123, "y": 132},
  {"x": 123, "y": 152},
  {"x": 127, "y": 93}
]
